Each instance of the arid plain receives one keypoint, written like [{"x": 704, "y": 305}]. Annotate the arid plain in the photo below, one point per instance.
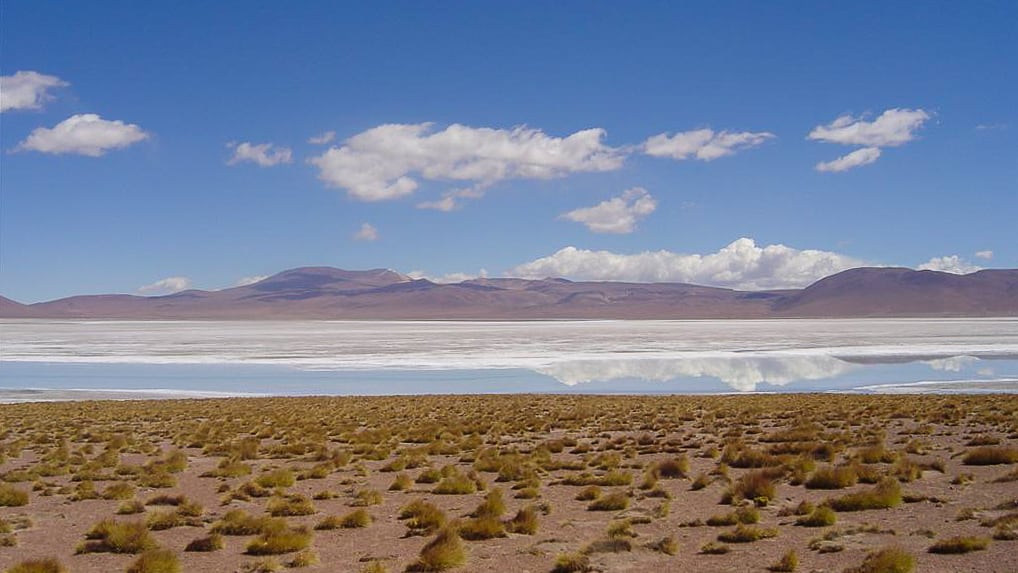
[{"x": 513, "y": 483}]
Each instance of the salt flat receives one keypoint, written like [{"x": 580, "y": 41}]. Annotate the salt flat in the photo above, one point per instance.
[{"x": 942, "y": 354}]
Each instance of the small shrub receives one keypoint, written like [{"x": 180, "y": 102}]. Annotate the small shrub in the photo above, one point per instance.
[
  {"x": 746, "y": 534},
  {"x": 211, "y": 542},
  {"x": 156, "y": 561},
  {"x": 277, "y": 541},
  {"x": 109, "y": 536},
  {"x": 884, "y": 495},
  {"x": 990, "y": 455},
  {"x": 455, "y": 485},
  {"x": 355, "y": 519},
  {"x": 822, "y": 516},
  {"x": 11, "y": 496},
  {"x": 443, "y": 552},
  {"x": 276, "y": 478},
  {"x": 289, "y": 506},
  {"x": 479, "y": 528},
  {"x": 886, "y": 560},
  {"x": 160, "y": 520},
  {"x": 366, "y": 497},
  {"x": 959, "y": 545},
  {"x": 571, "y": 563},
  {"x": 373, "y": 566},
  {"x": 589, "y": 493},
  {"x": 422, "y": 516},
  {"x": 239, "y": 522},
  {"x": 119, "y": 490},
  {"x": 611, "y": 502},
  {"x": 673, "y": 468},
  {"x": 131, "y": 507},
  {"x": 832, "y": 477},
  {"x": 45, "y": 565},
  {"x": 756, "y": 485},
  {"x": 667, "y": 545},
  {"x": 714, "y": 548},
  {"x": 788, "y": 562},
  {"x": 525, "y": 521},
  {"x": 305, "y": 558},
  {"x": 701, "y": 481},
  {"x": 401, "y": 483}
]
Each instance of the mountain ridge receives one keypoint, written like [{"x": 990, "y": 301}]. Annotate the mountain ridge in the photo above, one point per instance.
[{"x": 383, "y": 294}]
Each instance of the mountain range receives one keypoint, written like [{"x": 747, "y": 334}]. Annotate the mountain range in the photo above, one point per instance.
[{"x": 330, "y": 293}]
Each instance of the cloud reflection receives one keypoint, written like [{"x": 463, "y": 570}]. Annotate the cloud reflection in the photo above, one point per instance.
[{"x": 741, "y": 373}]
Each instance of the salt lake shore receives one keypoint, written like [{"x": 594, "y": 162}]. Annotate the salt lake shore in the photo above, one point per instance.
[{"x": 529, "y": 483}]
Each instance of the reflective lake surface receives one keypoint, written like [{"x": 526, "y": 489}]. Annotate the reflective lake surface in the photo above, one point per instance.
[{"x": 124, "y": 359}]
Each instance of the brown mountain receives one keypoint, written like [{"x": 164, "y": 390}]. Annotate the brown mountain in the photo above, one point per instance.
[{"x": 328, "y": 293}]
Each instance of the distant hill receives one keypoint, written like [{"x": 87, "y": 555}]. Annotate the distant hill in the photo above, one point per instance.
[{"x": 329, "y": 293}]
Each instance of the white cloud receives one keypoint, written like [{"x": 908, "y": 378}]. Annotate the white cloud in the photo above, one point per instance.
[
  {"x": 446, "y": 204},
  {"x": 892, "y": 128},
  {"x": 741, "y": 264},
  {"x": 991, "y": 126},
  {"x": 949, "y": 264},
  {"x": 83, "y": 134},
  {"x": 703, "y": 144},
  {"x": 263, "y": 154},
  {"x": 386, "y": 162},
  {"x": 168, "y": 285},
  {"x": 245, "y": 281},
  {"x": 27, "y": 90},
  {"x": 616, "y": 215},
  {"x": 450, "y": 278},
  {"x": 985, "y": 255},
  {"x": 323, "y": 138},
  {"x": 857, "y": 158},
  {"x": 367, "y": 232}
]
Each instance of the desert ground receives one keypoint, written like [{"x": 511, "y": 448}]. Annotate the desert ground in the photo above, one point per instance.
[{"x": 521, "y": 483}]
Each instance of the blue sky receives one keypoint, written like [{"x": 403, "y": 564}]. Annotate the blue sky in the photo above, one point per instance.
[{"x": 742, "y": 144}]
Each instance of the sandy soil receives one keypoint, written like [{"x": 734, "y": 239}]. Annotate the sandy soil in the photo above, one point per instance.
[{"x": 641, "y": 433}]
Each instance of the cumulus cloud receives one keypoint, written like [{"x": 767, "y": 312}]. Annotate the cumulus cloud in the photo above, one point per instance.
[
  {"x": 386, "y": 162},
  {"x": 892, "y": 128},
  {"x": 262, "y": 154},
  {"x": 323, "y": 139},
  {"x": 616, "y": 215},
  {"x": 245, "y": 281},
  {"x": 168, "y": 285},
  {"x": 949, "y": 264},
  {"x": 859, "y": 157},
  {"x": 985, "y": 255},
  {"x": 83, "y": 134},
  {"x": 741, "y": 265},
  {"x": 367, "y": 232},
  {"x": 27, "y": 90},
  {"x": 702, "y": 144}
]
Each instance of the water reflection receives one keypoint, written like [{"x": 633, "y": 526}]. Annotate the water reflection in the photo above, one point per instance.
[
  {"x": 741, "y": 374},
  {"x": 747, "y": 373}
]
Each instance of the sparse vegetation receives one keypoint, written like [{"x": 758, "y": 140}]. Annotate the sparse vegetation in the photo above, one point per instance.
[
  {"x": 959, "y": 545},
  {"x": 45, "y": 565},
  {"x": 156, "y": 561},
  {"x": 613, "y": 456},
  {"x": 886, "y": 560},
  {"x": 443, "y": 552}
]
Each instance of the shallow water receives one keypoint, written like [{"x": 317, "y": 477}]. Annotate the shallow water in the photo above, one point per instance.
[{"x": 71, "y": 359}]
